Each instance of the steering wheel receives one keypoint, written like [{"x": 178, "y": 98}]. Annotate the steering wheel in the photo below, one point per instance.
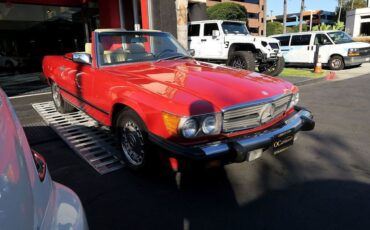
[{"x": 165, "y": 51}]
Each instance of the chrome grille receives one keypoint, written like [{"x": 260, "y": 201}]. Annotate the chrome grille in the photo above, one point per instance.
[{"x": 248, "y": 116}]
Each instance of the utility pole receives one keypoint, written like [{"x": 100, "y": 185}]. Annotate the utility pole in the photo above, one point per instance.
[
  {"x": 301, "y": 16},
  {"x": 285, "y": 16},
  {"x": 271, "y": 11},
  {"x": 182, "y": 22},
  {"x": 265, "y": 19}
]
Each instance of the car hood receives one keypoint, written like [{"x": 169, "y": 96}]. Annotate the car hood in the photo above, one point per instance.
[
  {"x": 356, "y": 45},
  {"x": 189, "y": 82}
]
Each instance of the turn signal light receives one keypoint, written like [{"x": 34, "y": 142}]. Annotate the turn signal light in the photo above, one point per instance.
[{"x": 171, "y": 122}]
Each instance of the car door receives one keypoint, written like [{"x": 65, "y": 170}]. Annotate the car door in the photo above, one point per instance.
[
  {"x": 75, "y": 82},
  {"x": 326, "y": 47},
  {"x": 211, "y": 47},
  {"x": 194, "y": 39},
  {"x": 301, "y": 50},
  {"x": 285, "y": 46}
]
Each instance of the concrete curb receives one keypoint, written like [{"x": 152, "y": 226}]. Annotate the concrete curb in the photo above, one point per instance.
[{"x": 310, "y": 81}]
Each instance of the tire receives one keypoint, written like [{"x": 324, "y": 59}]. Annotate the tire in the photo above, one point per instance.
[
  {"x": 132, "y": 138},
  {"x": 242, "y": 60},
  {"x": 273, "y": 68},
  {"x": 336, "y": 62},
  {"x": 60, "y": 104}
]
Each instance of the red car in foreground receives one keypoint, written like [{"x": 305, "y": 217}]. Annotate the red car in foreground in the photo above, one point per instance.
[{"x": 151, "y": 92}]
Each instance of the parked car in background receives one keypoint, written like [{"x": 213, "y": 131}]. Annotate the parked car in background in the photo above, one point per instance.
[
  {"x": 337, "y": 49},
  {"x": 230, "y": 42},
  {"x": 7, "y": 62},
  {"x": 29, "y": 199},
  {"x": 150, "y": 92}
]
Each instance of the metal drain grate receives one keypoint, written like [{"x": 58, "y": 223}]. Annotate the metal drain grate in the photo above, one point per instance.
[{"x": 93, "y": 143}]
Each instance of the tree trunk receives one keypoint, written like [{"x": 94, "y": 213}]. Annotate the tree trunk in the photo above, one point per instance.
[
  {"x": 285, "y": 16},
  {"x": 301, "y": 16},
  {"x": 340, "y": 3},
  {"x": 182, "y": 22}
]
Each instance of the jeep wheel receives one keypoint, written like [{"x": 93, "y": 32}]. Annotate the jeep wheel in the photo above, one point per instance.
[
  {"x": 60, "y": 104},
  {"x": 336, "y": 63},
  {"x": 242, "y": 60},
  {"x": 272, "y": 68},
  {"x": 132, "y": 139}
]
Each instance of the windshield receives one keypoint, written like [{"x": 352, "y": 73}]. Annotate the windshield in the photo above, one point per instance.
[
  {"x": 128, "y": 47},
  {"x": 340, "y": 37},
  {"x": 234, "y": 28}
]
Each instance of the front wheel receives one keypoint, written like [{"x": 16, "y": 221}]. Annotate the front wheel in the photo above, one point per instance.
[
  {"x": 336, "y": 62},
  {"x": 132, "y": 139},
  {"x": 272, "y": 68},
  {"x": 242, "y": 60}
]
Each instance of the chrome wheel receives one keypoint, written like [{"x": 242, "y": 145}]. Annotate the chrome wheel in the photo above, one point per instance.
[
  {"x": 132, "y": 143},
  {"x": 56, "y": 95},
  {"x": 336, "y": 63}
]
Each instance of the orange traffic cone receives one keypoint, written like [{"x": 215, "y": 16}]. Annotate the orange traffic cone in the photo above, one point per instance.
[{"x": 318, "y": 67}]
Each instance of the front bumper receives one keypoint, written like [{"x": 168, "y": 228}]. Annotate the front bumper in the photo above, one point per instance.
[
  {"x": 358, "y": 60},
  {"x": 237, "y": 148}
]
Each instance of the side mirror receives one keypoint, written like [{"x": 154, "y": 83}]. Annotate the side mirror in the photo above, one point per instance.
[
  {"x": 215, "y": 33},
  {"x": 83, "y": 58},
  {"x": 191, "y": 52}
]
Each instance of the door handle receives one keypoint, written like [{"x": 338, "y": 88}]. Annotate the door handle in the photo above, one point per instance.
[
  {"x": 77, "y": 80},
  {"x": 285, "y": 50},
  {"x": 203, "y": 40}
]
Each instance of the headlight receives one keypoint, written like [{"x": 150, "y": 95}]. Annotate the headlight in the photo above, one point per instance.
[
  {"x": 189, "y": 128},
  {"x": 353, "y": 52},
  {"x": 294, "y": 101},
  {"x": 193, "y": 126},
  {"x": 209, "y": 125}
]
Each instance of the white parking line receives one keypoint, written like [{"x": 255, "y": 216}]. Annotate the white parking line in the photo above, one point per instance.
[{"x": 29, "y": 95}]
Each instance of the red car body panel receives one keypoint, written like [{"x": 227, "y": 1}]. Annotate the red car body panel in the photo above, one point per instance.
[{"x": 181, "y": 87}]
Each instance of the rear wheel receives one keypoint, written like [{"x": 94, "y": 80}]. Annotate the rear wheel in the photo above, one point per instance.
[
  {"x": 336, "y": 62},
  {"x": 272, "y": 68},
  {"x": 242, "y": 60},
  {"x": 60, "y": 104},
  {"x": 132, "y": 139}
]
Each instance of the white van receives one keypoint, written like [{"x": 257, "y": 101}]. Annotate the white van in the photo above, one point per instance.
[{"x": 337, "y": 49}]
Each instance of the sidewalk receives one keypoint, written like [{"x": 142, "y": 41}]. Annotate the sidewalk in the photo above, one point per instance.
[{"x": 339, "y": 75}]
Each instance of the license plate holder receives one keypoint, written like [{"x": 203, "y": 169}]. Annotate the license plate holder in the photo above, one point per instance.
[{"x": 282, "y": 141}]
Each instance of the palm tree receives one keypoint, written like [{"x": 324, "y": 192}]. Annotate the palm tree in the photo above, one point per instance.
[
  {"x": 301, "y": 16},
  {"x": 340, "y": 5},
  {"x": 285, "y": 16}
]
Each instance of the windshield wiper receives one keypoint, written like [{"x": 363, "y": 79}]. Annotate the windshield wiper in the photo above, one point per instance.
[{"x": 175, "y": 57}]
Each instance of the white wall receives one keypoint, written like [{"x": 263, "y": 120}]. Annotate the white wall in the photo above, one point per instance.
[{"x": 353, "y": 21}]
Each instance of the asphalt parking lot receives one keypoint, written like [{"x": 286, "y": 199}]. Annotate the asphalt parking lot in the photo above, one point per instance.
[{"x": 322, "y": 182}]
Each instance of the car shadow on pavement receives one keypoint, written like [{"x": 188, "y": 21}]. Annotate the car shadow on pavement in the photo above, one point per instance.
[{"x": 284, "y": 192}]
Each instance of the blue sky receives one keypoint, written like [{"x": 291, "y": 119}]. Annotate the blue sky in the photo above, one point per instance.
[{"x": 295, "y": 5}]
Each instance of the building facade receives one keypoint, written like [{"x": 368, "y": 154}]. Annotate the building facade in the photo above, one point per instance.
[
  {"x": 358, "y": 22},
  {"x": 255, "y": 12},
  {"x": 310, "y": 18}
]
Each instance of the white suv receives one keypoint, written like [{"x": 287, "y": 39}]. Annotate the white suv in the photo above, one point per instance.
[{"x": 230, "y": 42}]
